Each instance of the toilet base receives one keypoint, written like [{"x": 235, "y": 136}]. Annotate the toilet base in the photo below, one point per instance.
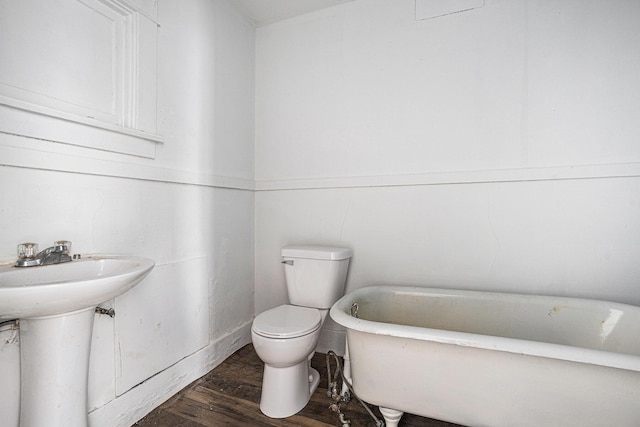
[{"x": 285, "y": 391}]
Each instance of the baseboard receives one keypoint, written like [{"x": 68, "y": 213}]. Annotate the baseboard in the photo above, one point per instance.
[{"x": 130, "y": 407}]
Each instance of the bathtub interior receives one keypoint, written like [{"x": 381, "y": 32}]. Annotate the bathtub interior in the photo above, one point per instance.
[{"x": 588, "y": 324}]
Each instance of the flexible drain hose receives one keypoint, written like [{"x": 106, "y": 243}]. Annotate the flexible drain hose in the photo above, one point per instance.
[{"x": 332, "y": 392}]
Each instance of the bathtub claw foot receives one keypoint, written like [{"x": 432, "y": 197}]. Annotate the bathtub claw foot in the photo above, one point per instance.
[{"x": 391, "y": 416}]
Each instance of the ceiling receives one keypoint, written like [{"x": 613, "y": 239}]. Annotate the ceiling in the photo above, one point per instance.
[{"x": 263, "y": 12}]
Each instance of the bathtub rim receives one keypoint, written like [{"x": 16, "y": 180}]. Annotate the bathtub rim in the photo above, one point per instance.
[{"x": 340, "y": 313}]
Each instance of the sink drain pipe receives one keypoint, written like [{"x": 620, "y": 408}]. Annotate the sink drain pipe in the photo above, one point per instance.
[
  {"x": 346, "y": 393},
  {"x": 108, "y": 311}
]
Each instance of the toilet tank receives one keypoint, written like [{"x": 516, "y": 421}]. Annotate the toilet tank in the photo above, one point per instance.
[{"x": 315, "y": 275}]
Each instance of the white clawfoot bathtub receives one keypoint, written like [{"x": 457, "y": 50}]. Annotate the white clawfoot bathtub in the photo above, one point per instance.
[{"x": 493, "y": 359}]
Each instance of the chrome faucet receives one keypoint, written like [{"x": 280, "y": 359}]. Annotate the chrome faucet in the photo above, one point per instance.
[{"x": 28, "y": 255}]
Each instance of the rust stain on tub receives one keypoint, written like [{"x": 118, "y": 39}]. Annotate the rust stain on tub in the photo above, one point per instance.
[{"x": 557, "y": 308}]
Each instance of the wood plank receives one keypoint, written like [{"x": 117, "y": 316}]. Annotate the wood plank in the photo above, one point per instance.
[
  {"x": 229, "y": 395},
  {"x": 235, "y": 410}
]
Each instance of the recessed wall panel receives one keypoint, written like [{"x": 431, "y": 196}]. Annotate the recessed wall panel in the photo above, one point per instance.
[
  {"x": 160, "y": 321},
  {"x": 82, "y": 62},
  {"x": 61, "y": 54}
]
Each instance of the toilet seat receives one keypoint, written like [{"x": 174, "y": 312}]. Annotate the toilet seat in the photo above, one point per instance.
[{"x": 287, "y": 321}]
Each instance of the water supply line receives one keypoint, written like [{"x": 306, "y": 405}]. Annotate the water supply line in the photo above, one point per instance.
[
  {"x": 345, "y": 396},
  {"x": 12, "y": 325}
]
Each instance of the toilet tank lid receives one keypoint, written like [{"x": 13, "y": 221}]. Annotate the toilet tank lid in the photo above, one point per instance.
[{"x": 317, "y": 252}]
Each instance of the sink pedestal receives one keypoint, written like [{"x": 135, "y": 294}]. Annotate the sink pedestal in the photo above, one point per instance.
[
  {"x": 54, "y": 368},
  {"x": 56, "y": 306}
]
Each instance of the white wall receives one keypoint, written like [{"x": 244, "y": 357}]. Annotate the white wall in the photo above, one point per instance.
[
  {"x": 364, "y": 89},
  {"x": 190, "y": 208},
  {"x": 489, "y": 149}
]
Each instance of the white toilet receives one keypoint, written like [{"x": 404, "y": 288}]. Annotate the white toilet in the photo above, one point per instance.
[{"x": 285, "y": 337}]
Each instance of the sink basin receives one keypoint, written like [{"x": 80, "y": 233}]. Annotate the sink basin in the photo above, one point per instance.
[
  {"x": 56, "y": 307},
  {"x": 27, "y": 292}
]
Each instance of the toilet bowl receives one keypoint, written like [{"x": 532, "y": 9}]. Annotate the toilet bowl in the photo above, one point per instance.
[{"x": 285, "y": 339}]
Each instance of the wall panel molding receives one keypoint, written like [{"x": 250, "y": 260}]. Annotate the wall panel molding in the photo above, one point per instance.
[
  {"x": 74, "y": 67},
  {"x": 42, "y": 123},
  {"x": 457, "y": 177},
  {"x": 139, "y": 169},
  {"x": 68, "y": 159}
]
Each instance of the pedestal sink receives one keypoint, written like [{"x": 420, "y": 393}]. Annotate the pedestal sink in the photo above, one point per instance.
[{"x": 55, "y": 305}]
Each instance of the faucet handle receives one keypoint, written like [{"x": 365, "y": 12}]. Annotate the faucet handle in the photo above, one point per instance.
[
  {"x": 66, "y": 244},
  {"x": 27, "y": 250}
]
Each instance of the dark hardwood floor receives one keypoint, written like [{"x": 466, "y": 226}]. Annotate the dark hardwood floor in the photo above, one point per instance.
[{"x": 230, "y": 395}]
